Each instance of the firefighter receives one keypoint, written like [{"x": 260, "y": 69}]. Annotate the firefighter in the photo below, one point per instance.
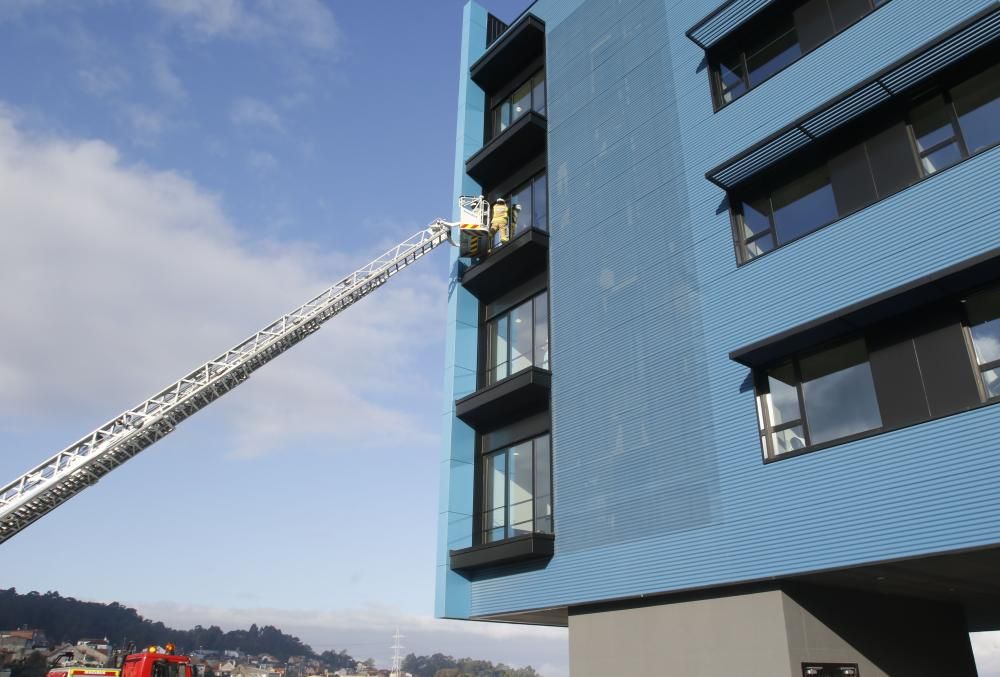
[{"x": 499, "y": 220}]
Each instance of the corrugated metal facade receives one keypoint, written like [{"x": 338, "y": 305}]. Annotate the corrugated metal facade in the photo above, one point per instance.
[{"x": 659, "y": 481}]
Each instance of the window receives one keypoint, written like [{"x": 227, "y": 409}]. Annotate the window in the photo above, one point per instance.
[
  {"x": 977, "y": 105},
  {"x": 529, "y": 207},
  {"x": 937, "y": 132},
  {"x": 941, "y": 359},
  {"x": 530, "y": 95},
  {"x": 773, "y": 42},
  {"x": 518, "y": 339},
  {"x": 984, "y": 327},
  {"x": 817, "y": 398},
  {"x": 517, "y": 491}
]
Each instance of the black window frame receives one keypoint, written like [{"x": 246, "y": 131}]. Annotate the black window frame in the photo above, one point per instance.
[
  {"x": 507, "y": 99},
  {"x": 955, "y": 305},
  {"x": 481, "y": 513},
  {"x": 761, "y": 187},
  {"x": 486, "y": 378},
  {"x": 736, "y": 46},
  {"x": 516, "y": 221}
]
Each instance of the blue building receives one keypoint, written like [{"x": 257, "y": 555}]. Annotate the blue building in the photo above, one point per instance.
[{"x": 761, "y": 239}]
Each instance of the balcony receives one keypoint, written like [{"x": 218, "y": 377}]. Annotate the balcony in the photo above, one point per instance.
[
  {"x": 513, "y": 51},
  {"x": 506, "y": 401},
  {"x": 509, "y": 151},
  {"x": 508, "y": 551},
  {"x": 525, "y": 256}
]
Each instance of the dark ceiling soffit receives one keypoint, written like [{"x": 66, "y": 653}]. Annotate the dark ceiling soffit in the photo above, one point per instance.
[
  {"x": 520, "y": 44},
  {"x": 945, "y": 283},
  {"x": 517, "y": 144},
  {"x": 895, "y": 79},
  {"x": 724, "y": 20}
]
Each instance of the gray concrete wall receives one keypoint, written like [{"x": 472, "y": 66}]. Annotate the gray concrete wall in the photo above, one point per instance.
[
  {"x": 741, "y": 635},
  {"x": 771, "y": 633}
]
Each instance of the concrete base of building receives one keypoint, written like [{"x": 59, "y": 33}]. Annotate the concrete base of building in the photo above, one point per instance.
[{"x": 780, "y": 632}]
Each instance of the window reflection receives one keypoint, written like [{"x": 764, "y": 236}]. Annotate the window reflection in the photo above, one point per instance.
[
  {"x": 518, "y": 339},
  {"x": 773, "y": 56},
  {"x": 518, "y": 491},
  {"x": 837, "y": 396},
  {"x": 839, "y": 393},
  {"x": 983, "y": 310},
  {"x": 803, "y": 205},
  {"x": 529, "y": 207},
  {"x": 495, "y": 512},
  {"x": 977, "y": 104},
  {"x": 783, "y": 397},
  {"x": 530, "y": 95}
]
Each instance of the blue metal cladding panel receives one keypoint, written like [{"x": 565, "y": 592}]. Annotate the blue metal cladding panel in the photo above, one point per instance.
[
  {"x": 658, "y": 479},
  {"x": 457, "y": 439}
]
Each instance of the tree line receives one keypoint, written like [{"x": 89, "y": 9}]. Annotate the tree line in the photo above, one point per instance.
[
  {"x": 440, "y": 665},
  {"x": 65, "y": 619}
]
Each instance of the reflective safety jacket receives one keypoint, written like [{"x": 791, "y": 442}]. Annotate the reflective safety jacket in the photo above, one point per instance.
[{"x": 499, "y": 217}]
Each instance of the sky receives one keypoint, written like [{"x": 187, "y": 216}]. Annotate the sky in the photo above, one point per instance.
[{"x": 173, "y": 175}]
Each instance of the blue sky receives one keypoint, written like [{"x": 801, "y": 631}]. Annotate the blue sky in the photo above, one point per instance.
[{"x": 173, "y": 174}]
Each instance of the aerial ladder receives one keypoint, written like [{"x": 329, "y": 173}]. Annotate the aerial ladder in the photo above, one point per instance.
[{"x": 80, "y": 465}]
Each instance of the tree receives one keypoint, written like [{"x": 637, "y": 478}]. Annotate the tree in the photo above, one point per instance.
[{"x": 34, "y": 665}]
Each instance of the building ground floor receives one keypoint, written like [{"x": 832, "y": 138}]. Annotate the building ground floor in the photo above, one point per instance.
[{"x": 908, "y": 618}]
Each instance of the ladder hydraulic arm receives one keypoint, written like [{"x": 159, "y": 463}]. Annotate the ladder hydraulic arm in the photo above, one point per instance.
[{"x": 84, "y": 462}]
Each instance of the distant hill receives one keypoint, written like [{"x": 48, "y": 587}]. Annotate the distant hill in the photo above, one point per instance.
[{"x": 65, "y": 619}]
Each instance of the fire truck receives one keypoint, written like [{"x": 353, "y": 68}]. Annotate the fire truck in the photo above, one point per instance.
[{"x": 154, "y": 662}]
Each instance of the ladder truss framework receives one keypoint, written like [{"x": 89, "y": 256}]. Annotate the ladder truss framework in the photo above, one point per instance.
[{"x": 84, "y": 462}]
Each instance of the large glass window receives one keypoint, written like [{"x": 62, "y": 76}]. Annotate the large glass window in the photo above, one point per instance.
[
  {"x": 765, "y": 47},
  {"x": 939, "y": 360},
  {"x": 518, "y": 490},
  {"x": 518, "y": 339},
  {"x": 938, "y": 131},
  {"x": 817, "y": 398},
  {"x": 529, "y": 206},
  {"x": 530, "y": 95}
]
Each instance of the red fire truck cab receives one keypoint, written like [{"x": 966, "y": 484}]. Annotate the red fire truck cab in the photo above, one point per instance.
[{"x": 151, "y": 664}]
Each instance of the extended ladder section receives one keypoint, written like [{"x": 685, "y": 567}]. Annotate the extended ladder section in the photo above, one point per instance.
[{"x": 84, "y": 462}]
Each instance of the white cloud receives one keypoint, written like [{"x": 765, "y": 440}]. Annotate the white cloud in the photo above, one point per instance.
[
  {"x": 252, "y": 112},
  {"x": 261, "y": 160},
  {"x": 14, "y": 8},
  {"x": 308, "y": 23},
  {"x": 164, "y": 77},
  {"x": 147, "y": 124},
  {"x": 367, "y": 632},
  {"x": 126, "y": 278},
  {"x": 101, "y": 81}
]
